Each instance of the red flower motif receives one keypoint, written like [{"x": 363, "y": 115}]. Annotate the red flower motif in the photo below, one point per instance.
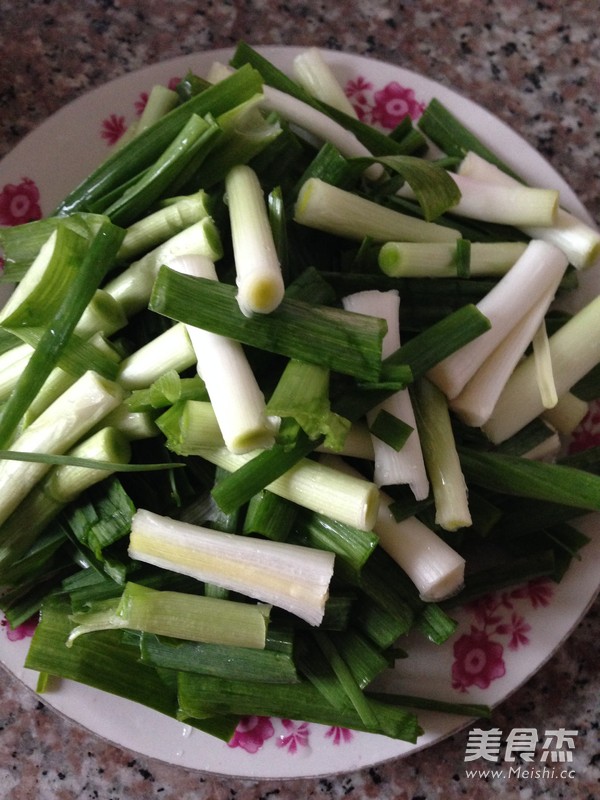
[
  {"x": 23, "y": 631},
  {"x": 113, "y": 128},
  {"x": 140, "y": 103},
  {"x": 357, "y": 91},
  {"x": 477, "y": 660},
  {"x": 393, "y": 103},
  {"x": 539, "y": 592},
  {"x": 483, "y": 609},
  {"x": 297, "y": 736},
  {"x": 251, "y": 733},
  {"x": 516, "y": 629},
  {"x": 338, "y": 735},
  {"x": 19, "y": 203},
  {"x": 588, "y": 433}
]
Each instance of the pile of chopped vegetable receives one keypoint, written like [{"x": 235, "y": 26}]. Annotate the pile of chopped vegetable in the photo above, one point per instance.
[{"x": 278, "y": 388}]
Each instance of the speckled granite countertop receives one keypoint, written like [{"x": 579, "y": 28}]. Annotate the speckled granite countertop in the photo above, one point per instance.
[{"x": 537, "y": 66}]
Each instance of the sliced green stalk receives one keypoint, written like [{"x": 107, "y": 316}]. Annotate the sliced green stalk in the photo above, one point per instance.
[
  {"x": 99, "y": 519},
  {"x": 452, "y": 137},
  {"x": 358, "y": 443},
  {"x": 318, "y": 124},
  {"x": 183, "y": 616},
  {"x": 344, "y": 342},
  {"x": 567, "y": 414},
  {"x": 351, "y": 692},
  {"x": 419, "y": 354},
  {"x": 383, "y": 581},
  {"x": 381, "y": 627},
  {"x": 364, "y": 660},
  {"x": 59, "y": 380},
  {"x": 100, "y": 661},
  {"x": 190, "y": 427},
  {"x": 195, "y": 141},
  {"x": 236, "y": 397},
  {"x": 432, "y": 565},
  {"x": 289, "y": 576},
  {"x": 64, "y": 483},
  {"x": 168, "y": 389},
  {"x": 438, "y": 260},
  {"x": 543, "y": 366},
  {"x": 160, "y": 101},
  {"x": 342, "y": 213},
  {"x": 49, "y": 272},
  {"x": 247, "y": 135},
  {"x": 132, "y": 287},
  {"x": 144, "y": 149},
  {"x": 21, "y": 245},
  {"x": 156, "y": 228},
  {"x": 574, "y": 349},
  {"x": 316, "y": 487},
  {"x": 375, "y": 140},
  {"x": 12, "y": 364},
  {"x": 171, "y": 350},
  {"x": 404, "y": 466},
  {"x": 134, "y": 425},
  {"x": 55, "y": 431},
  {"x": 508, "y": 204},
  {"x": 535, "y": 275},
  {"x": 226, "y": 661},
  {"x": 524, "y": 477},
  {"x": 258, "y": 272},
  {"x": 352, "y": 547},
  {"x": 53, "y": 321},
  {"x": 101, "y": 315},
  {"x": 579, "y": 241},
  {"x": 315, "y": 75},
  {"x": 430, "y": 184},
  {"x": 270, "y": 516},
  {"x": 441, "y": 457},
  {"x": 302, "y": 393},
  {"x": 390, "y": 429},
  {"x": 203, "y": 695},
  {"x": 476, "y": 401},
  {"x": 58, "y": 488}
]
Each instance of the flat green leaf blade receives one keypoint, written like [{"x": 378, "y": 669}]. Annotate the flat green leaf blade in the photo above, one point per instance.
[
  {"x": 99, "y": 660},
  {"x": 525, "y": 477},
  {"x": 340, "y": 340}
]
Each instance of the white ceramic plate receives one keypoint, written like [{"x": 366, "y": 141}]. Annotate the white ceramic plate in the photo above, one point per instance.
[{"x": 500, "y": 643}]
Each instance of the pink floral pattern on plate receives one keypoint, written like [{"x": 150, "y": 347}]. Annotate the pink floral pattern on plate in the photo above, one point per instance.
[
  {"x": 23, "y": 631},
  {"x": 588, "y": 432},
  {"x": 20, "y": 203},
  {"x": 114, "y": 126},
  {"x": 289, "y": 735},
  {"x": 479, "y": 654},
  {"x": 385, "y": 107}
]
